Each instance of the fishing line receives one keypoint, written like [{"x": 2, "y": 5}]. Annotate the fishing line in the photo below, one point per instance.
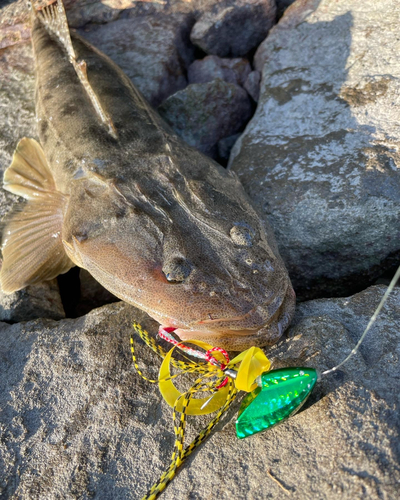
[{"x": 392, "y": 284}]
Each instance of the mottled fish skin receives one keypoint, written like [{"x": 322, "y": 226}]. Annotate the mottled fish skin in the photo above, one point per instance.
[{"x": 156, "y": 222}]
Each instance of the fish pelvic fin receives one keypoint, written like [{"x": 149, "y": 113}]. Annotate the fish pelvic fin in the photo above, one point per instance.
[
  {"x": 55, "y": 20},
  {"x": 32, "y": 241}
]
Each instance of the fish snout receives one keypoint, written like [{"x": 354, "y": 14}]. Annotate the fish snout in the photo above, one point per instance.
[
  {"x": 177, "y": 269},
  {"x": 260, "y": 325}
]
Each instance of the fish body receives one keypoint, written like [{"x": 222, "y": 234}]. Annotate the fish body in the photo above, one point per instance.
[{"x": 112, "y": 189}]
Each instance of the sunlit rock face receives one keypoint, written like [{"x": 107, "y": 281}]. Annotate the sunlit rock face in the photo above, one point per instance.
[
  {"x": 320, "y": 156},
  {"x": 73, "y": 405}
]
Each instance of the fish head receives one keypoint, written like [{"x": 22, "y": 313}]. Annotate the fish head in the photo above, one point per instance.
[{"x": 191, "y": 252}]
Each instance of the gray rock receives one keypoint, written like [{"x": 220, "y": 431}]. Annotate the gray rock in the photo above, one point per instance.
[
  {"x": 82, "y": 12},
  {"x": 210, "y": 68},
  {"x": 328, "y": 329},
  {"x": 234, "y": 27},
  {"x": 204, "y": 113},
  {"x": 225, "y": 146},
  {"x": 153, "y": 52},
  {"x": 16, "y": 103},
  {"x": 77, "y": 420},
  {"x": 320, "y": 155},
  {"x": 17, "y": 109},
  {"x": 252, "y": 85},
  {"x": 36, "y": 301}
]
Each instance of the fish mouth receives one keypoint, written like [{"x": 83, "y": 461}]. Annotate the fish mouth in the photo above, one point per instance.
[
  {"x": 254, "y": 319},
  {"x": 261, "y": 325},
  {"x": 212, "y": 320}
]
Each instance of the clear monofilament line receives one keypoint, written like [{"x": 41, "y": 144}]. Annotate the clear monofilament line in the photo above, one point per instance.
[{"x": 371, "y": 322}]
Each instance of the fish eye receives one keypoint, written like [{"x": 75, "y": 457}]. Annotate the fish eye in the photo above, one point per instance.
[
  {"x": 242, "y": 235},
  {"x": 177, "y": 269}
]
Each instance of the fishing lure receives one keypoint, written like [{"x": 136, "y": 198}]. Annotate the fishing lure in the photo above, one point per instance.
[{"x": 272, "y": 395}]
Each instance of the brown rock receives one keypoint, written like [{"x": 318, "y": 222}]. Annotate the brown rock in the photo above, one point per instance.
[{"x": 11, "y": 35}]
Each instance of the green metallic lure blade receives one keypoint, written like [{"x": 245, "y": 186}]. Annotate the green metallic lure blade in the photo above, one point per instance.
[{"x": 281, "y": 394}]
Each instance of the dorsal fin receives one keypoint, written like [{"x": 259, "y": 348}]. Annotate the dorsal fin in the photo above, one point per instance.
[
  {"x": 54, "y": 19},
  {"x": 32, "y": 241}
]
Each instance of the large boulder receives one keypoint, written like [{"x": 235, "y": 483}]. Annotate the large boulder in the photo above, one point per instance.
[
  {"x": 204, "y": 113},
  {"x": 232, "y": 28},
  {"x": 320, "y": 156},
  {"x": 76, "y": 418},
  {"x": 153, "y": 51},
  {"x": 35, "y": 301},
  {"x": 231, "y": 70}
]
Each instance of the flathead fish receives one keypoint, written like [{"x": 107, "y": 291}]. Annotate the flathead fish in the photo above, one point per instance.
[{"x": 113, "y": 190}]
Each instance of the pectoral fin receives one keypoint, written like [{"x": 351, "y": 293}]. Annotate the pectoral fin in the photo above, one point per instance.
[{"x": 32, "y": 243}]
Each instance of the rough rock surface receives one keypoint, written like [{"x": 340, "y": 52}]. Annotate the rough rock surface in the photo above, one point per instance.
[
  {"x": 204, "y": 113},
  {"x": 153, "y": 52},
  {"x": 82, "y": 12},
  {"x": 17, "y": 106},
  {"x": 234, "y": 27},
  {"x": 14, "y": 34},
  {"x": 320, "y": 156},
  {"x": 76, "y": 419},
  {"x": 235, "y": 70},
  {"x": 36, "y": 301},
  {"x": 17, "y": 121},
  {"x": 252, "y": 85}
]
